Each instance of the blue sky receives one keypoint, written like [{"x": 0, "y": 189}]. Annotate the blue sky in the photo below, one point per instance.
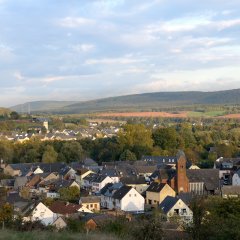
[{"x": 88, "y": 49}]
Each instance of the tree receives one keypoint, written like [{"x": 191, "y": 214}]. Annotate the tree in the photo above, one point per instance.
[
  {"x": 150, "y": 229},
  {"x": 50, "y": 155},
  {"x": 72, "y": 151},
  {"x": 135, "y": 135},
  {"x": 14, "y": 115},
  {"x": 69, "y": 193},
  {"x": 127, "y": 155},
  {"x": 6, "y": 214},
  {"x": 165, "y": 138}
]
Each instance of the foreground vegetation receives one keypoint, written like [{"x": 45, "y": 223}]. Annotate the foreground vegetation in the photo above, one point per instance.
[
  {"x": 214, "y": 218},
  {"x": 42, "y": 235}
]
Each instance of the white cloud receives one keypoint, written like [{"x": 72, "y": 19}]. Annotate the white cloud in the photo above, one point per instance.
[
  {"x": 121, "y": 60},
  {"x": 74, "y": 22},
  {"x": 83, "y": 47}
]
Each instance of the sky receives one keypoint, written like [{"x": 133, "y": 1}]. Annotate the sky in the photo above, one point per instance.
[{"x": 88, "y": 49}]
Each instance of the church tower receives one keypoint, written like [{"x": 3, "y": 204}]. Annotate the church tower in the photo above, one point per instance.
[{"x": 182, "y": 183}]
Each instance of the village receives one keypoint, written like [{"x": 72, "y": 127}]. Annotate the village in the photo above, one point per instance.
[{"x": 85, "y": 191}]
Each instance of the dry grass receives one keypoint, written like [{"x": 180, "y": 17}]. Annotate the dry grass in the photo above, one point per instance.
[
  {"x": 42, "y": 235},
  {"x": 145, "y": 114}
]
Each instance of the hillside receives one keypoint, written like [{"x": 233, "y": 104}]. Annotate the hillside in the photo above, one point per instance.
[
  {"x": 39, "y": 106},
  {"x": 4, "y": 111},
  {"x": 156, "y": 100},
  {"x": 138, "y": 102}
]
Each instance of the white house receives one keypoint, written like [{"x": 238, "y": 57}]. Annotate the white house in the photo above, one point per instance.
[
  {"x": 99, "y": 182},
  {"x": 236, "y": 178},
  {"x": 175, "y": 207},
  {"x": 44, "y": 214},
  {"x": 127, "y": 199}
]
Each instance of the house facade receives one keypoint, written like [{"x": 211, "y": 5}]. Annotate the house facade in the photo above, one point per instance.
[
  {"x": 157, "y": 192},
  {"x": 174, "y": 207}
]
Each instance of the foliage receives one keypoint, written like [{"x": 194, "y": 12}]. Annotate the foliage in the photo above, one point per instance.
[
  {"x": 74, "y": 225},
  {"x": 127, "y": 155},
  {"x": 150, "y": 228},
  {"x": 50, "y": 155},
  {"x": 6, "y": 214},
  {"x": 71, "y": 152},
  {"x": 215, "y": 218},
  {"x": 69, "y": 193},
  {"x": 118, "y": 227}
]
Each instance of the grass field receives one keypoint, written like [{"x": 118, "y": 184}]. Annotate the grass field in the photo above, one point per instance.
[
  {"x": 183, "y": 114},
  {"x": 43, "y": 235}
]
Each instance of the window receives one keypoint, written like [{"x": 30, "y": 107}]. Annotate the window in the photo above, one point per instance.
[
  {"x": 130, "y": 195},
  {"x": 184, "y": 211},
  {"x": 176, "y": 211},
  {"x": 91, "y": 205},
  {"x": 135, "y": 195}
]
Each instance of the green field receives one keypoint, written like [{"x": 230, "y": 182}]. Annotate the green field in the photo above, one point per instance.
[{"x": 206, "y": 114}]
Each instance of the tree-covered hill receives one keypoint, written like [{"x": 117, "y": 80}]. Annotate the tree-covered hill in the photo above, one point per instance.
[{"x": 145, "y": 101}]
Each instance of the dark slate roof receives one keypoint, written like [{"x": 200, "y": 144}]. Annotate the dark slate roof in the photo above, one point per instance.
[
  {"x": 160, "y": 160},
  {"x": 210, "y": 177},
  {"x": 120, "y": 193},
  {"x": 133, "y": 180},
  {"x": 90, "y": 177},
  {"x": 14, "y": 197},
  {"x": 98, "y": 178},
  {"x": 155, "y": 187},
  {"x": 46, "y": 167},
  {"x": 168, "y": 203},
  {"x": 186, "y": 197},
  {"x": 163, "y": 174},
  {"x": 65, "y": 170},
  {"x": 227, "y": 163},
  {"x": 111, "y": 172},
  {"x": 145, "y": 169},
  {"x": 7, "y": 182},
  {"x": 110, "y": 188}
]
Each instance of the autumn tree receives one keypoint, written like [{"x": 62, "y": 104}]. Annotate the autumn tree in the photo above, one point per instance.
[
  {"x": 50, "y": 155},
  {"x": 127, "y": 155}
]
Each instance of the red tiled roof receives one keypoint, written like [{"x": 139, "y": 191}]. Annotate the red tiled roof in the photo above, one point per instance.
[{"x": 64, "y": 208}]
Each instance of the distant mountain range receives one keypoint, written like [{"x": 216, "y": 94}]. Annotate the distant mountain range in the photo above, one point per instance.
[{"x": 145, "y": 101}]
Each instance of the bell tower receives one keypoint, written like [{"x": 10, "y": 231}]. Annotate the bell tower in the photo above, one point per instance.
[{"x": 182, "y": 183}]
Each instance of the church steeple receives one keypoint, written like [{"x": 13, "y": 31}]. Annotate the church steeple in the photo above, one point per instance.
[{"x": 182, "y": 182}]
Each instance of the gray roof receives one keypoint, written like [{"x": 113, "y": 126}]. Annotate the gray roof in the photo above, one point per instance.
[
  {"x": 133, "y": 180},
  {"x": 156, "y": 187},
  {"x": 121, "y": 192},
  {"x": 111, "y": 172},
  {"x": 14, "y": 197},
  {"x": 210, "y": 177},
  {"x": 46, "y": 167},
  {"x": 7, "y": 182},
  {"x": 160, "y": 160},
  {"x": 20, "y": 182},
  {"x": 168, "y": 203},
  {"x": 98, "y": 178},
  {"x": 110, "y": 188},
  {"x": 231, "y": 190}
]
